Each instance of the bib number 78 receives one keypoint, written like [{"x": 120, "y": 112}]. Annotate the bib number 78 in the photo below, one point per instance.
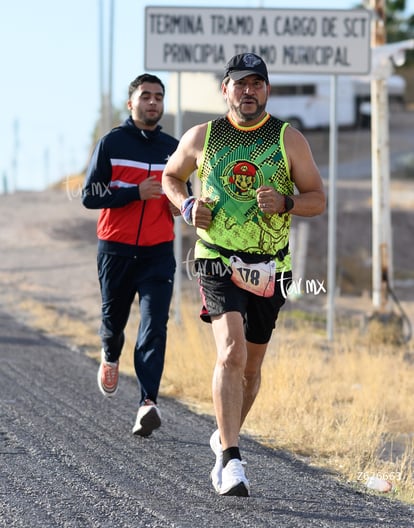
[
  {"x": 250, "y": 275},
  {"x": 258, "y": 278}
]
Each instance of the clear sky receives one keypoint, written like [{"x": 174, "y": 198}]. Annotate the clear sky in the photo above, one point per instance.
[{"x": 50, "y": 77}]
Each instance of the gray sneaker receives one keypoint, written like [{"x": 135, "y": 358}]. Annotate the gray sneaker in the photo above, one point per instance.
[{"x": 148, "y": 419}]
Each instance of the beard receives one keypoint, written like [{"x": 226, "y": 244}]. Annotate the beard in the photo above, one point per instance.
[
  {"x": 248, "y": 116},
  {"x": 149, "y": 120}
]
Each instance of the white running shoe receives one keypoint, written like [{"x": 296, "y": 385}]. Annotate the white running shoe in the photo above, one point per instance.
[
  {"x": 148, "y": 419},
  {"x": 218, "y": 466},
  {"x": 234, "y": 481}
]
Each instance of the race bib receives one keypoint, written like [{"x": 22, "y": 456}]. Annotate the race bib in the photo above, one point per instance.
[{"x": 256, "y": 278}]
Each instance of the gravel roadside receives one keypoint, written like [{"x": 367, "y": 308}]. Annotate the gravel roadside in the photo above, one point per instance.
[{"x": 68, "y": 458}]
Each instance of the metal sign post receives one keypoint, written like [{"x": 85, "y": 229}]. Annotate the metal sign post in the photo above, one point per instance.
[
  {"x": 333, "y": 165},
  {"x": 178, "y": 222}
]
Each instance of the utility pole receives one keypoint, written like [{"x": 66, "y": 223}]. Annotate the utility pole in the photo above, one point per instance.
[
  {"x": 5, "y": 185},
  {"x": 15, "y": 157},
  {"x": 105, "y": 122},
  {"x": 382, "y": 262},
  {"x": 110, "y": 62}
]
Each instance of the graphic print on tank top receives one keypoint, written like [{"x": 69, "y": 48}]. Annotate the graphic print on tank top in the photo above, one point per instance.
[{"x": 237, "y": 161}]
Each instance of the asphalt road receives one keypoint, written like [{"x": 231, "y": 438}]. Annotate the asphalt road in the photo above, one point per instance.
[{"x": 68, "y": 458}]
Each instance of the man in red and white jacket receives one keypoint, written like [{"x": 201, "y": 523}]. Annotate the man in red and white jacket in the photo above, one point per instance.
[{"x": 135, "y": 242}]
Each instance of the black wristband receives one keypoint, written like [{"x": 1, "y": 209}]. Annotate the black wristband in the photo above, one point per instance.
[{"x": 289, "y": 204}]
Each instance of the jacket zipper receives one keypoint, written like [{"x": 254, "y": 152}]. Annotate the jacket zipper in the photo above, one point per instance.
[{"x": 141, "y": 220}]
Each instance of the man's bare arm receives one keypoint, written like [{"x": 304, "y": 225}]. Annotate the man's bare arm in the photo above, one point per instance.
[
  {"x": 311, "y": 198},
  {"x": 185, "y": 160}
]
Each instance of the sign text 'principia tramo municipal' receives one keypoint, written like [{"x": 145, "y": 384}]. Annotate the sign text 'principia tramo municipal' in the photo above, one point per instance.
[{"x": 290, "y": 41}]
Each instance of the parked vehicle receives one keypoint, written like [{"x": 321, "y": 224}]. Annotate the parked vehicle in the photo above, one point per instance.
[{"x": 304, "y": 100}]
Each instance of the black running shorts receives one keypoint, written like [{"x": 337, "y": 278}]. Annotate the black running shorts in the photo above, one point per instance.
[{"x": 220, "y": 295}]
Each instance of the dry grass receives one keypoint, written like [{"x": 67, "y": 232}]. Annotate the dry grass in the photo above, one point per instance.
[
  {"x": 346, "y": 407},
  {"x": 342, "y": 407}
]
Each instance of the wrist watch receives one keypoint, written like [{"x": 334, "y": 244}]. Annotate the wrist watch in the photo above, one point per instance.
[{"x": 289, "y": 204}]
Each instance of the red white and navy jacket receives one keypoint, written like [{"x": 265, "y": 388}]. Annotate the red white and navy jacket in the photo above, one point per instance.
[{"x": 122, "y": 159}]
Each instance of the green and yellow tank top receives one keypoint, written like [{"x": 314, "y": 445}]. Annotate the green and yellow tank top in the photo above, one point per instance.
[{"x": 237, "y": 161}]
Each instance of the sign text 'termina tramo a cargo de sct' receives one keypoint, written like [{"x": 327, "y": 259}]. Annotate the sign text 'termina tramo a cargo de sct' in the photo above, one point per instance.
[{"x": 290, "y": 41}]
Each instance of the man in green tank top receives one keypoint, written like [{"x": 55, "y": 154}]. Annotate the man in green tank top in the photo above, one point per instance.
[{"x": 249, "y": 164}]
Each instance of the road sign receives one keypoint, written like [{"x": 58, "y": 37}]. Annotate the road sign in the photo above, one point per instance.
[{"x": 290, "y": 41}]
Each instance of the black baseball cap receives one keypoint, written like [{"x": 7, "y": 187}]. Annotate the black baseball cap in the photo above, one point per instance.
[{"x": 246, "y": 64}]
